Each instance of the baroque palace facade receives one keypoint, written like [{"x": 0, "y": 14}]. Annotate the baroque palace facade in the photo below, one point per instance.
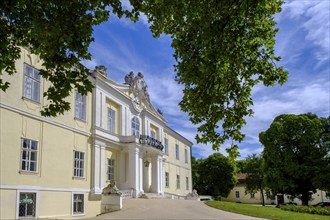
[{"x": 57, "y": 167}]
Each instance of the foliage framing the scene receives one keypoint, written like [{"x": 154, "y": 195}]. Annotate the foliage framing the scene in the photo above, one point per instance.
[{"x": 222, "y": 48}]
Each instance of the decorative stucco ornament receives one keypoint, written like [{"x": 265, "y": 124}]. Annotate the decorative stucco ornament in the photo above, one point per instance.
[{"x": 139, "y": 88}]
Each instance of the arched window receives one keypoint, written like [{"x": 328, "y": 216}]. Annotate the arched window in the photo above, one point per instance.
[{"x": 135, "y": 126}]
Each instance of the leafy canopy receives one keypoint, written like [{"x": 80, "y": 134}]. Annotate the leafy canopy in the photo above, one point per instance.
[
  {"x": 222, "y": 48},
  {"x": 296, "y": 154},
  {"x": 216, "y": 175}
]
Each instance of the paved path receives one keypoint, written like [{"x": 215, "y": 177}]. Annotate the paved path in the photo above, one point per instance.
[{"x": 169, "y": 209}]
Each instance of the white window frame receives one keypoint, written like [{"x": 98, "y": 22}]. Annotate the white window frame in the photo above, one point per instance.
[
  {"x": 186, "y": 155},
  {"x": 178, "y": 181},
  {"x": 80, "y": 106},
  {"x": 111, "y": 120},
  {"x": 237, "y": 194},
  {"x": 253, "y": 196},
  {"x": 77, "y": 169},
  {"x": 166, "y": 146},
  {"x": 177, "y": 153},
  {"x": 135, "y": 126},
  {"x": 111, "y": 167},
  {"x": 35, "y": 83},
  {"x": 29, "y": 152},
  {"x": 167, "y": 179},
  {"x": 18, "y": 192},
  {"x": 72, "y": 204},
  {"x": 187, "y": 183}
]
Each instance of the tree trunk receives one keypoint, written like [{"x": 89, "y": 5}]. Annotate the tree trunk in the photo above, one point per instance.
[
  {"x": 262, "y": 197},
  {"x": 304, "y": 198}
]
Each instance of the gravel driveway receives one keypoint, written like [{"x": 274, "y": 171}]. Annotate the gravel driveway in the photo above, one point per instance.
[{"x": 169, "y": 209}]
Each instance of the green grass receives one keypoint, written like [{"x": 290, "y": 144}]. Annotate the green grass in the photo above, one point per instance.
[{"x": 269, "y": 212}]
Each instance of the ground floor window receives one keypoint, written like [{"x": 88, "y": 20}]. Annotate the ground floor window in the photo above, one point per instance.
[
  {"x": 187, "y": 183},
  {"x": 78, "y": 204},
  {"x": 253, "y": 195},
  {"x": 237, "y": 194},
  {"x": 27, "y": 204},
  {"x": 178, "y": 181},
  {"x": 167, "y": 179}
]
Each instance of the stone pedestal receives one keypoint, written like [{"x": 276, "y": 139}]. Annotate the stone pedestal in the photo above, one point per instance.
[{"x": 111, "y": 202}]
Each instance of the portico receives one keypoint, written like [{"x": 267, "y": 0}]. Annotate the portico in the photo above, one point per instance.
[{"x": 140, "y": 165}]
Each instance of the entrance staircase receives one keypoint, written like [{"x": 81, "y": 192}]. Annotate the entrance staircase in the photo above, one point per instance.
[{"x": 153, "y": 196}]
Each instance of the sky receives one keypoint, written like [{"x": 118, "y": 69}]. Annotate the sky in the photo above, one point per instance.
[{"x": 302, "y": 41}]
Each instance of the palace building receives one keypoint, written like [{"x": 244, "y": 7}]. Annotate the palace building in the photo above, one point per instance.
[{"x": 57, "y": 167}]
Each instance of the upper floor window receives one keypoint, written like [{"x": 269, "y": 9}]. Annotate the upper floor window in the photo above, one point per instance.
[
  {"x": 29, "y": 157},
  {"x": 78, "y": 167},
  {"x": 166, "y": 146},
  {"x": 111, "y": 120},
  {"x": 111, "y": 169},
  {"x": 185, "y": 155},
  {"x": 177, "y": 152},
  {"x": 80, "y": 106},
  {"x": 31, "y": 83},
  {"x": 135, "y": 126}
]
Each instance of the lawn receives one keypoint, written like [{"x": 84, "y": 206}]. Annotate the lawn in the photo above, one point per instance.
[{"x": 269, "y": 212}]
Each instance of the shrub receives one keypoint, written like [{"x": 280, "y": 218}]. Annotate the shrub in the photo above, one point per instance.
[{"x": 306, "y": 209}]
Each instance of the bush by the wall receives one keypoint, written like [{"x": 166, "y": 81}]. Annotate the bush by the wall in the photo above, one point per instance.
[{"x": 306, "y": 209}]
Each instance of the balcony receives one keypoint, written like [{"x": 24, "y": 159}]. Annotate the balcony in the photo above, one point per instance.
[{"x": 145, "y": 139}]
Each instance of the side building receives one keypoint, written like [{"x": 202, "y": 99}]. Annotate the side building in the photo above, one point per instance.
[{"x": 57, "y": 167}]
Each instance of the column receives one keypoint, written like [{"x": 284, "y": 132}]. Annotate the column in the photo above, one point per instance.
[
  {"x": 141, "y": 172},
  {"x": 122, "y": 171},
  {"x": 98, "y": 168},
  {"x": 133, "y": 165},
  {"x": 161, "y": 175},
  {"x": 156, "y": 175}
]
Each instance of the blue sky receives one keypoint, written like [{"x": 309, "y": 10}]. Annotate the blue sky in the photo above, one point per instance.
[{"x": 303, "y": 42}]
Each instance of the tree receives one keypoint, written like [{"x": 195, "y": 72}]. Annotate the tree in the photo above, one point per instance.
[
  {"x": 296, "y": 153},
  {"x": 216, "y": 176},
  {"x": 222, "y": 48},
  {"x": 254, "y": 169},
  {"x": 60, "y": 32},
  {"x": 194, "y": 172}
]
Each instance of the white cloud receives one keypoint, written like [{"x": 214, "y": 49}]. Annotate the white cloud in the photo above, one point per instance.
[{"x": 312, "y": 17}]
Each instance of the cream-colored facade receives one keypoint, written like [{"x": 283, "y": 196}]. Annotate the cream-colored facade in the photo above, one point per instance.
[{"x": 57, "y": 167}]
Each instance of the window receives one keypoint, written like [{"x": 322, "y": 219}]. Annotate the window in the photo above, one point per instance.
[
  {"x": 153, "y": 134},
  {"x": 178, "y": 181},
  {"x": 185, "y": 155},
  {"x": 29, "y": 159},
  {"x": 111, "y": 169},
  {"x": 80, "y": 108},
  {"x": 135, "y": 126},
  {"x": 78, "y": 203},
  {"x": 166, "y": 146},
  {"x": 268, "y": 195},
  {"x": 252, "y": 195},
  {"x": 237, "y": 194},
  {"x": 31, "y": 83},
  {"x": 111, "y": 120},
  {"x": 27, "y": 205},
  {"x": 187, "y": 183},
  {"x": 78, "y": 170},
  {"x": 177, "y": 151},
  {"x": 167, "y": 179}
]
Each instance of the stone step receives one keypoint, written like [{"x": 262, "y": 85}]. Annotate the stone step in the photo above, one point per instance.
[{"x": 152, "y": 196}]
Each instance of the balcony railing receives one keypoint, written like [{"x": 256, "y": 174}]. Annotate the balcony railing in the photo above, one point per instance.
[{"x": 145, "y": 139}]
